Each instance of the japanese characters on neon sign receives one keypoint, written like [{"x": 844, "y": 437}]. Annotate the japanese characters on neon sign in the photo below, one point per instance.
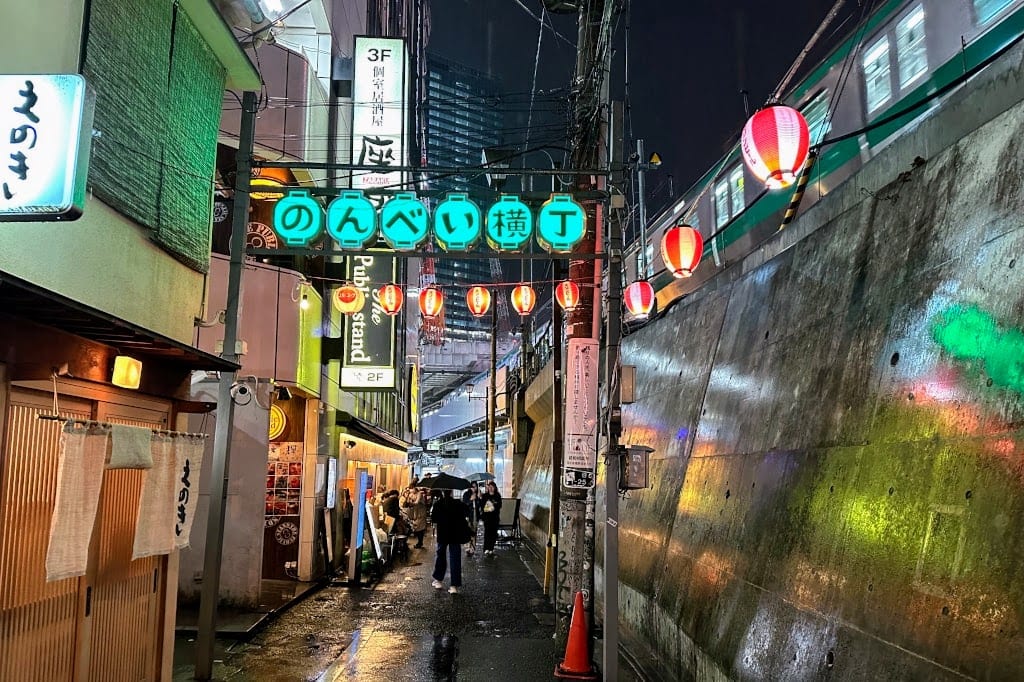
[
  {"x": 45, "y": 132},
  {"x": 405, "y": 223}
]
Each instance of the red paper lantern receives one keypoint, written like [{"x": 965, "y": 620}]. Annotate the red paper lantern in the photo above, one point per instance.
[
  {"x": 478, "y": 300},
  {"x": 523, "y": 299},
  {"x": 568, "y": 295},
  {"x": 391, "y": 298},
  {"x": 681, "y": 249},
  {"x": 774, "y": 144},
  {"x": 639, "y": 297},
  {"x": 431, "y": 302},
  {"x": 349, "y": 299}
]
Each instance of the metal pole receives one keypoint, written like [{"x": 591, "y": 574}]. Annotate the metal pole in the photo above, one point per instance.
[
  {"x": 491, "y": 394},
  {"x": 641, "y": 165},
  {"x": 556, "y": 440},
  {"x": 613, "y": 455},
  {"x": 225, "y": 405}
]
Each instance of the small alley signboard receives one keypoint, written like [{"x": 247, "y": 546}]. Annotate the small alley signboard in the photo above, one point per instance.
[
  {"x": 405, "y": 224},
  {"x": 45, "y": 135},
  {"x": 579, "y": 463},
  {"x": 379, "y": 110},
  {"x": 369, "y": 360}
]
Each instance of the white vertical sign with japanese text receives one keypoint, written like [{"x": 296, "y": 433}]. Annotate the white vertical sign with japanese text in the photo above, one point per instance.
[
  {"x": 45, "y": 127},
  {"x": 579, "y": 453},
  {"x": 379, "y": 110}
]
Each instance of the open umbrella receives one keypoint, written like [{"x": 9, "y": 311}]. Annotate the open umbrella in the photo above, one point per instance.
[
  {"x": 444, "y": 481},
  {"x": 480, "y": 476}
]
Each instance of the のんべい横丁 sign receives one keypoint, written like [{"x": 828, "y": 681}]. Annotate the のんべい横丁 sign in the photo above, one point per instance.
[{"x": 404, "y": 222}]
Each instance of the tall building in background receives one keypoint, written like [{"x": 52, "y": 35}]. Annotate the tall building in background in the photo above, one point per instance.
[{"x": 462, "y": 119}]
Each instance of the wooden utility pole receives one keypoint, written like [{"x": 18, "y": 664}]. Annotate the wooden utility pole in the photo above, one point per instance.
[{"x": 588, "y": 143}]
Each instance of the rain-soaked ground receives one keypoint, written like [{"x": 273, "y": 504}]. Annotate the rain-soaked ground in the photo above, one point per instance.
[{"x": 499, "y": 627}]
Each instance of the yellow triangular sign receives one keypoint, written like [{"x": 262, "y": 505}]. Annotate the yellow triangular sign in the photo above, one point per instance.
[{"x": 655, "y": 159}]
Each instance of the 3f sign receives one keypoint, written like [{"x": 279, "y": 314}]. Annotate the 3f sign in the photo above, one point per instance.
[{"x": 378, "y": 54}]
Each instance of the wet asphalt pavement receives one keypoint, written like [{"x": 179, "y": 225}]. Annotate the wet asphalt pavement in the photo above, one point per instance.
[{"x": 499, "y": 627}]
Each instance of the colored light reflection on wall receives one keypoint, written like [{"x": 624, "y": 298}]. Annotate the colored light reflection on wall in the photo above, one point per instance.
[{"x": 970, "y": 333}]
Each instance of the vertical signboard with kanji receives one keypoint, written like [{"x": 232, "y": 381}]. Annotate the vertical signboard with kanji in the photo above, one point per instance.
[
  {"x": 369, "y": 360},
  {"x": 379, "y": 111},
  {"x": 579, "y": 464},
  {"x": 45, "y": 134}
]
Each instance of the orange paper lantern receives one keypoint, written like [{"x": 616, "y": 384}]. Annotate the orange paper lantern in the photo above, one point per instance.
[
  {"x": 391, "y": 298},
  {"x": 478, "y": 300},
  {"x": 567, "y": 294},
  {"x": 681, "y": 249},
  {"x": 349, "y": 299},
  {"x": 639, "y": 298},
  {"x": 775, "y": 143},
  {"x": 523, "y": 299},
  {"x": 431, "y": 302}
]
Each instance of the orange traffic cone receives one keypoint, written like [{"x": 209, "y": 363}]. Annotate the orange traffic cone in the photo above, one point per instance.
[{"x": 576, "y": 665}]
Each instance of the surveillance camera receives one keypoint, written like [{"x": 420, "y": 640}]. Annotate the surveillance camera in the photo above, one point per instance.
[
  {"x": 350, "y": 444},
  {"x": 240, "y": 391}
]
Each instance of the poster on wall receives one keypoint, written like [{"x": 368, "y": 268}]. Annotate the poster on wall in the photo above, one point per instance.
[
  {"x": 284, "y": 479},
  {"x": 379, "y": 111}
]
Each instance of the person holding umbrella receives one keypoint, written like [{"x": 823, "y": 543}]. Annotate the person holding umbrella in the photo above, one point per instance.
[{"x": 449, "y": 519}]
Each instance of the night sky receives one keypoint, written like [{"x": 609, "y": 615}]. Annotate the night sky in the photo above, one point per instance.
[{"x": 688, "y": 62}]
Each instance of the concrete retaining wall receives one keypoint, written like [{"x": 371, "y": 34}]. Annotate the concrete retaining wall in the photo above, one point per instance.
[{"x": 838, "y": 483}]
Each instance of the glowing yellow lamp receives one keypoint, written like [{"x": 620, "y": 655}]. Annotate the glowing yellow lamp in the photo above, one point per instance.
[{"x": 127, "y": 372}]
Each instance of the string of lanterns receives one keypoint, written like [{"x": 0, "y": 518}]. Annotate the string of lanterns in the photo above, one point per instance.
[{"x": 774, "y": 145}]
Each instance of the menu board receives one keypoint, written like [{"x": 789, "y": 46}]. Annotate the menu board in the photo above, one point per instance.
[{"x": 284, "y": 479}]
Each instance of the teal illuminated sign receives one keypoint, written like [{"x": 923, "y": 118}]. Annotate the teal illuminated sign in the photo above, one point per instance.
[
  {"x": 352, "y": 220},
  {"x": 561, "y": 224},
  {"x": 457, "y": 223},
  {"x": 298, "y": 218},
  {"x": 509, "y": 224},
  {"x": 403, "y": 222}
]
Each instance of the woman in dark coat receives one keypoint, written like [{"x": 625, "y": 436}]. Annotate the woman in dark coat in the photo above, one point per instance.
[
  {"x": 490, "y": 504},
  {"x": 449, "y": 519}
]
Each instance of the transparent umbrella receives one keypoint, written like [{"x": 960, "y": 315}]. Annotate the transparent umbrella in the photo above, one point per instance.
[{"x": 480, "y": 476}]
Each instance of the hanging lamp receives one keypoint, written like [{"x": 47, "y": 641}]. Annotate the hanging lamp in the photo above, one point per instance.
[
  {"x": 681, "y": 249},
  {"x": 431, "y": 302},
  {"x": 567, "y": 293},
  {"x": 478, "y": 300},
  {"x": 774, "y": 144},
  {"x": 391, "y": 298},
  {"x": 523, "y": 299},
  {"x": 639, "y": 298},
  {"x": 349, "y": 299}
]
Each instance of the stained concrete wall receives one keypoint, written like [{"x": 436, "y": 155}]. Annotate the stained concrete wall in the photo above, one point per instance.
[{"x": 837, "y": 484}]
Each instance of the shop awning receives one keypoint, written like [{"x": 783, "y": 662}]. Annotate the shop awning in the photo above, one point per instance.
[
  {"x": 367, "y": 431},
  {"x": 31, "y": 302}
]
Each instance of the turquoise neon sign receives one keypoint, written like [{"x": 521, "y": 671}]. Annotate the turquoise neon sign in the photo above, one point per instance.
[
  {"x": 403, "y": 222},
  {"x": 298, "y": 218},
  {"x": 509, "y": 224},
  {"x": 457, "y": 223},
  {"x": 352, "y": 220},
  {"x": 561, "y": 224}
]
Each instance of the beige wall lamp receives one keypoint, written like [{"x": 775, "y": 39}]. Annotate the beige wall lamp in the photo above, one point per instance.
[{"x": 127, "y": 372}]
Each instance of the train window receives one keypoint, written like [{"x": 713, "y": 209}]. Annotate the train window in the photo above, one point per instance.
[
  {"x": 816, "y": 114},
  {"x": 729, "y": 201},
  {"x": 911, "y": 54},
  {"x": 988, "y": 9},
  {"x": 877, "y": 86}
]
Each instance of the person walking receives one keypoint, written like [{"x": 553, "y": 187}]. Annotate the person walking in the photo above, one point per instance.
[
  {"x": 471, "y": 501},
  {"x": 490, "y": 511},
  {"x": 416, "y": 511},
  {"x": 449, "y": 519}
]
